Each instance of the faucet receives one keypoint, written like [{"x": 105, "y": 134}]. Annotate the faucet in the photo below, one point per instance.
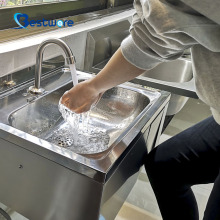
[{"x": 70, "y": 59}]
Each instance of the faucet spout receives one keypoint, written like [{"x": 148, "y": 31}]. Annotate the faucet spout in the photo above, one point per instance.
[{"x": 36, "y": 89}]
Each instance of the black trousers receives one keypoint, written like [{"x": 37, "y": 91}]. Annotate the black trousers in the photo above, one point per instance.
[{"x": 189, "y": 158}]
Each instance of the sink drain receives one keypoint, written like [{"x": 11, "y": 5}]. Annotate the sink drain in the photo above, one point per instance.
[
  {"x": 95, "y": 141},
  {"x": 64, "y": 142}
]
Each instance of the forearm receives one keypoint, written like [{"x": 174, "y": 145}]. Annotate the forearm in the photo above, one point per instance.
[{"x": 118, "y": 70}]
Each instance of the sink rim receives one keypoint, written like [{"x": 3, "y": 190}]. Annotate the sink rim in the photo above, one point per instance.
[{"x": 129, "y": 86}]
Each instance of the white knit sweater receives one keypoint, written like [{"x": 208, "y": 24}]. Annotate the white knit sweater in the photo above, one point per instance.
[{"x": 162, "y": 29}]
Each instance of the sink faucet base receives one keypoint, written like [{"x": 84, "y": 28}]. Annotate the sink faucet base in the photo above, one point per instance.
[{"x": 34, "y": 90}]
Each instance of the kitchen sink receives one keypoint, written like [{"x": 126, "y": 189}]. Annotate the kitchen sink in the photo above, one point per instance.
[
  {"x": 118, "y": 110},
  {"x": 48, "y": 177},
  {"x": 178, "y": 71}
]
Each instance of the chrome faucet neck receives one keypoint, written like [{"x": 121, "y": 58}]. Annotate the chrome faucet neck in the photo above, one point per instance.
[{"x": 39, "y": 59}]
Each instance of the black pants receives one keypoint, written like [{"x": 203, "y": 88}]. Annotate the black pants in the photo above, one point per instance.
[{"x": 189, "y": 158}]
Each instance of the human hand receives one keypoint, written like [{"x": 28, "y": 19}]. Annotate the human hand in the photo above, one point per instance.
[{"x": 81, "y": 97}]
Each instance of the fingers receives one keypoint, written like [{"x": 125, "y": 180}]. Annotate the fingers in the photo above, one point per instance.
[
  {"x": 65, "y": 98},
  {"x": 80, "y": 98},
  {"x": 84, "y": 108},
  {"x": 74, "y": 106}
]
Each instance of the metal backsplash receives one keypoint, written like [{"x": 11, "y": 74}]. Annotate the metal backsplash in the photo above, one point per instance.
[{"x": 102, "y": 43}]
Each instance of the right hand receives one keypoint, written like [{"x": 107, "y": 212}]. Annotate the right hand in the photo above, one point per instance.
[{"x": 81, "y": 97}]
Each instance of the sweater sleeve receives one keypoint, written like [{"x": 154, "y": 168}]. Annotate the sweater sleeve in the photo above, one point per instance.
[
  {"x": 142, "y": 59},
  {"x": 145, "y": 48},
  {"x": 161, "y": 31}
]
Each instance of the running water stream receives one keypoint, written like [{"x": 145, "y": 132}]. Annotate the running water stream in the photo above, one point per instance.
[
  {"x": 78, "y": 134},
  {"x": 73, "y": 74}
]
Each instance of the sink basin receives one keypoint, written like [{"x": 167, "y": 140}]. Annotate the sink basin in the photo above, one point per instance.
[
  {"x": 177, "y": 71},
  {"x": 115, "y": 112}
]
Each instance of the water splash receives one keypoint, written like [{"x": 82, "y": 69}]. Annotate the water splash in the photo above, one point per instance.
[
  {"x": 78, "y": 134},
  {"x": 80, "y": 142}
]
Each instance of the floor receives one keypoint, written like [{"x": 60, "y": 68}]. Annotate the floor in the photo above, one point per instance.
[{"x": 141, "y": 203}]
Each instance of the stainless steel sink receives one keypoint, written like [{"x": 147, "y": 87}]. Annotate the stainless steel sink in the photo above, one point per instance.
[
  {"x": 53, "y": 181},
  {"x": 117, "y": 110},
  {"x": 178, "y": 71}
]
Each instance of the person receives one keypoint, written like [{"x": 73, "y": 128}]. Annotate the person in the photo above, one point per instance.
[{"x": 161, "y": 31}]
